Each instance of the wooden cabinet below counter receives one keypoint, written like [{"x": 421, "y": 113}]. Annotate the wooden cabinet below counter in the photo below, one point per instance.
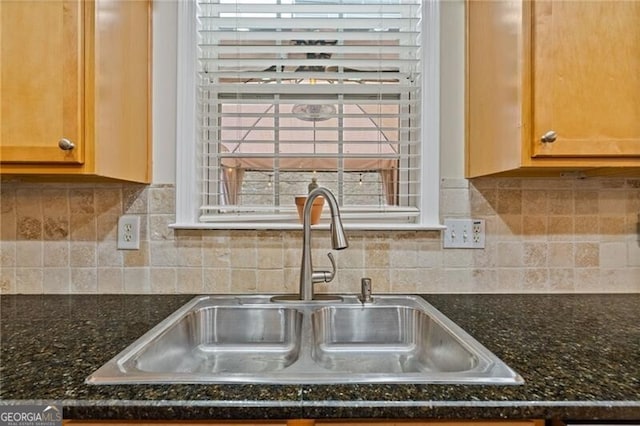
[
  {"x": 553, "y": 87},
  {"x": 75, "y": 83}
]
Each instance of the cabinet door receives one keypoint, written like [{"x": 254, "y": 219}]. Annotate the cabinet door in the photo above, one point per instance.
[
  {"x": 586, "y": 78},
  {"x": 41, "y": 81}
]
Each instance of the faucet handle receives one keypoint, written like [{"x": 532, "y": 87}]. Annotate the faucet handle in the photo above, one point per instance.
[{"x": 325, "y": 276}]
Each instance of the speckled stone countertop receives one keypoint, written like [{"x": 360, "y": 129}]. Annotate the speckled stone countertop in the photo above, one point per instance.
[{"x": 579, "y": 356}]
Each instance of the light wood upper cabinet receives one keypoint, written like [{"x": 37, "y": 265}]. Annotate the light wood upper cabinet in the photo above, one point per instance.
[
  {"x": 75, "y": 72},
  {"x": 569, "y": 70}
]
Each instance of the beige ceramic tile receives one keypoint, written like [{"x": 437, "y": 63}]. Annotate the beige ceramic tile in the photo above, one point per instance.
[
  {"x": 483, "y": 202},
  {"x": 7, "y": 280},
  {"x": 586, "y": 202},
  {"x": 28, "y": 227},
  {"x": 7, "y": 254},
  {"x": 585, "y": 228},
  {"x": 108, "y": 255},
  {"x": 162, "y": 200},
  {"x": 8, "y": 226},
  {"x": 487, "y": 257},
  {"x": 29, "y": 280},
  {"x": 107, "y": 227},
  {"x": 135, "y": 199},
  {"x": 163, "y": 280},
  {"x": 56, "y": 228},
  {"x": 535, "y": 280},
  {"x": 82, "y": 254},
  {"x": 108, "y": 200},
  {"x": 28, "y": 202},
  {"x": 455, "y": 202},
  {"x": 620, "y": 280},
  {"x": 485, "y": 280},
  {"x": 535, "y": 227},
  {"x": 216, "y": 280},
  {"x": 505, "y": 227},
  {"x": 535, "y": 254},
  {"x": 587, "y": 255},
  {"x": 633, "y": 252},
  {"x": 561, "y": 279},
  {"x": 270, "y": 251},
  {"x": 56, "y": 253},
  {"x": 57, "y": 281},
  {"x": 405, "y": 280},
  {"x": 352, "y": 257},
  {"x": 561, "y": 202},
  {"x": 535, "y": 202},
  {"x": 29, "y": 254},
  {"x": 136, "y": 280},
  {"x": 244, "y": 281},
  {"x": 376, "y": 254},
  {"x": 159, "y": 228},
  {"x": 272, "y": 281},
  {"x": 458, "y": 281},
  {"x": 509, "y": 201},
  {"x": 404, "y": 253},
  {"x": 561, "y": 254},
  {"x": 611, "y": 227},
  {"x": 84, "y": 280},
  {"x": 561, "y": 228},
  {"x": 83, "y": 227},
  {"x": 136, "y": 258},
  {"x": 613, "y": 255},
  {"x": 81, "y": 201},
  {"x": 190, "y": 280},
  {"x": 244, "y": 252},
  {"x": 509, "y": 254},
  {"x": 458, "y": 258},
  {"x": 612, "y": 203},
  {"x": 163, "y": 253},
  {"x": 110, "y": 280},
  {"x": 216, "y": 253},
  {"x": 587, "y": 280}
]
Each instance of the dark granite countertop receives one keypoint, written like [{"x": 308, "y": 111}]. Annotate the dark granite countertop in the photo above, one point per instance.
[{"x": 579, "y": 356}]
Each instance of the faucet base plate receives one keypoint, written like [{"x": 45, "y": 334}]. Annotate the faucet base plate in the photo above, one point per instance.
[{"x": 317, "y": 298}]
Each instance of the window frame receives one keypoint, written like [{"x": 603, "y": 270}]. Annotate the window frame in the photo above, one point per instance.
[{"x": 187, "y": 193}]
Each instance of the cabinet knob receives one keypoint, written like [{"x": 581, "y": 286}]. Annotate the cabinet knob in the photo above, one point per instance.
[
  {"x": 66, "y": 145},
  {"x": 549, "y": 137}
]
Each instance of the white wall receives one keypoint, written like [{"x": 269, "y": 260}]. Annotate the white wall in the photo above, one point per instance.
[
  {"x": 165, "y": 20},
  {"x": 164, "y": 89}
]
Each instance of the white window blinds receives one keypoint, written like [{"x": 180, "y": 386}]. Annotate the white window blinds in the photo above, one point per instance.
[{"x": 290, "y": 90}]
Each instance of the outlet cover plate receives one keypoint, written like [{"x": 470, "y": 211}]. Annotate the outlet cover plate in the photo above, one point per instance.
[
  {"x": 129, "y": 232},
  {"x": 463, "y": 233}
]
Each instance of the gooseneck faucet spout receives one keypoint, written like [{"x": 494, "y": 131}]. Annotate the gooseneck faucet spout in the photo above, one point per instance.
[{"x": 338, "y": 241}]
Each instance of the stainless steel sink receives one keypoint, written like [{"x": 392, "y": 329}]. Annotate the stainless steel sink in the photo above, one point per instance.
[
  {"x": 395, "y": 340},
  {"x": 252, "y": 339},
  {"x": 223, "y": 339}
]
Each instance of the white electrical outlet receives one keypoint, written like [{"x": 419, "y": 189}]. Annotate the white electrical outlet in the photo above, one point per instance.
[
  {"x": 129, "y": 232},
  {"x": 463, "y": 233}
]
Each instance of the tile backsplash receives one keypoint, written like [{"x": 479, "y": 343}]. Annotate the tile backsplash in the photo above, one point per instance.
[{"x": 542, "y": 235}]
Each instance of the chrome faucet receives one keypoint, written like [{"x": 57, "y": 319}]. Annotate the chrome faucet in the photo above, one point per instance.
[{"x": 308, "y": 276}]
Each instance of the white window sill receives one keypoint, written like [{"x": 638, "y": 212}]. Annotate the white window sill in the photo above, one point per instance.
[{"x": 298, "y": 226}]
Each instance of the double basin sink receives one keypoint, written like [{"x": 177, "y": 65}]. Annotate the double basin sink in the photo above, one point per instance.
[{"x": 253, "y": 339}]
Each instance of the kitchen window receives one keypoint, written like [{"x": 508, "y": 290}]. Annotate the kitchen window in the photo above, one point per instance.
[{"x": 279, "y": 93}]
